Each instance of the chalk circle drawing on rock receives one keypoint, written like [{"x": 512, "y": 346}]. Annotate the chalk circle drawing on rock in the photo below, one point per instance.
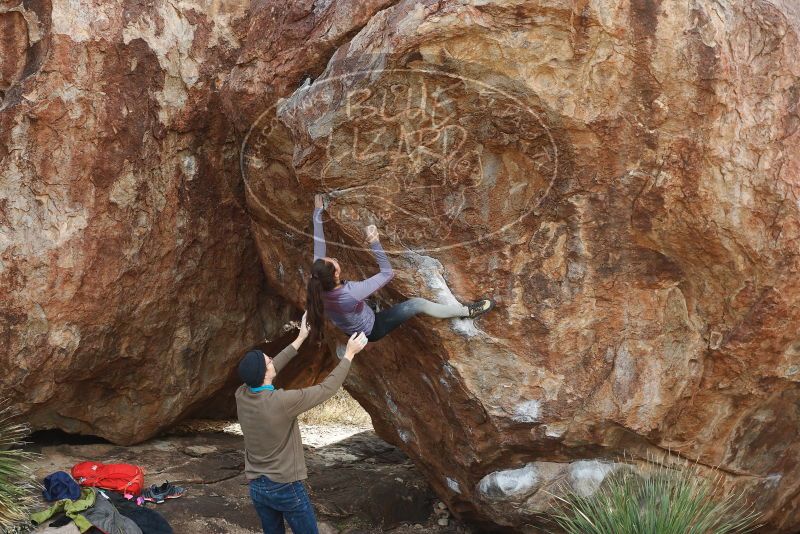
[{"x": 434, "y": 158}]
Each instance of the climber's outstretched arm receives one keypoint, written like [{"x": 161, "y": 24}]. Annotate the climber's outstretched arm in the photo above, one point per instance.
[
  {"x": 319, "y": 235},
  {"x": 365, "y": 288}
]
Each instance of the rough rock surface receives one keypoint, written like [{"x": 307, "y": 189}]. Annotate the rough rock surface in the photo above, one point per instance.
[
  {"x": 621, "y": 175},
  {"x": 128, "y": 273},
  {"x": 128, "y": 277}
]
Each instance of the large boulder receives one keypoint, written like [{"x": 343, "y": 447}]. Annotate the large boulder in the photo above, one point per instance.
[
  {"x": 622, "y": 176},
  {"x": 129, "y": 281}
]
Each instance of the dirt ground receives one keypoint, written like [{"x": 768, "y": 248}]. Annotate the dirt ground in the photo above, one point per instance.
[{"x": 358, "y": 483}]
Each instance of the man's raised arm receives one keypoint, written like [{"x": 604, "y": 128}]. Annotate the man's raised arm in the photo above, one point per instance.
[
  {"x": 297, "y": 401},
  {"x": 283, "y": 357}
]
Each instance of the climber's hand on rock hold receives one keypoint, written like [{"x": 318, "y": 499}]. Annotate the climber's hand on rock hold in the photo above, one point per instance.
[
  {"x": 356, "y": 343},
  {"x": 372, "y": 233},
  {"x": 319, "y": 202}
]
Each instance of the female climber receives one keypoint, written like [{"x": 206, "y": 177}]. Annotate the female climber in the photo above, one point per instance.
[{"x": 343, "y": 302}]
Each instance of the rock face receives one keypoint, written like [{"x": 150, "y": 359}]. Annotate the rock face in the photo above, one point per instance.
[
  {"x": 129, "y": 280},
  {"x": 128, "y": 277},
  {"x": 620, "y": 175}
]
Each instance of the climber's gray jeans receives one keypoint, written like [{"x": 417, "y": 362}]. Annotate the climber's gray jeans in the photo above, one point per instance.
[{"x": 388, "y": 320}]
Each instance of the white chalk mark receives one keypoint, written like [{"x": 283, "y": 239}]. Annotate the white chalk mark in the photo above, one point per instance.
[
  {"x": 509, "y": 483},
  {"x": 527, "y": 412}
]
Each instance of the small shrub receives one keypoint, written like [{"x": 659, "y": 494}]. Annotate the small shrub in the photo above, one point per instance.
[
  {"x": 17, "y": 485},
  {"x": 665, "y": 500}
]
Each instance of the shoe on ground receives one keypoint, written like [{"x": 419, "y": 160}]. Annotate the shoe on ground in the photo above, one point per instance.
[
  {"x": 159, "y": 494},
  {"x": 152, "y": 494},
  {"x": 479, "y": 307}
]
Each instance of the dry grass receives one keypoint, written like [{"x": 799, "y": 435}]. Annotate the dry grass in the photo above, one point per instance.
[{"x": 341, "y": 409}]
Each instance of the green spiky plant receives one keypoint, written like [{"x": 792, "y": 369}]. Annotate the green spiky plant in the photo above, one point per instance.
[
  {"x": 17, "y": 485},
  {"x": 664, "y": 500}
]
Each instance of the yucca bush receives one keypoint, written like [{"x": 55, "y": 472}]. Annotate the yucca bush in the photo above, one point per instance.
[
  {"x": 17, "y": 485},
  {"x": 663, "y": 500}
]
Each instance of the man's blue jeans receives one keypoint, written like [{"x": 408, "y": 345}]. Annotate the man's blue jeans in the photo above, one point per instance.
[{"x": 275, "y": 501}]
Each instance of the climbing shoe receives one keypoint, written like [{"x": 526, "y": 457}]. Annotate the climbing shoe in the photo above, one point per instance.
[
  {"x": 158, "y": 494},
  {"x": 479, "y": 307}
]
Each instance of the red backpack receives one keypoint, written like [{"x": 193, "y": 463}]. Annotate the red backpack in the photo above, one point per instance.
[{"x": 125, "y": 478}]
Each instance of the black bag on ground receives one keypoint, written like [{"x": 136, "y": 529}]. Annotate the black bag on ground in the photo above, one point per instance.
[{"x": 150, "y": 521}]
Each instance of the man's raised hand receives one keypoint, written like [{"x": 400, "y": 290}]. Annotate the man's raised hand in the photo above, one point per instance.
[
  {"x": 319, "y": 202},
  {"x": 304, "y": 328},
  {"x": 303, "y": 333},
  {"x": 355, "y": 344}
]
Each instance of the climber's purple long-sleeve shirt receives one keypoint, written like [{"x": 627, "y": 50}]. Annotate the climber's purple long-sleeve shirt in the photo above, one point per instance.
[{"x": 345, "y": 306}]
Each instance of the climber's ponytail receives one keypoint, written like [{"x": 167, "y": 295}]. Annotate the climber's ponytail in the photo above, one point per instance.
[{"x": 322, "y": 279}]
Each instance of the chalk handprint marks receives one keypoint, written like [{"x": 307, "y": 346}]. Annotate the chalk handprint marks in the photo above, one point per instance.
[{"x": 435, "y": 159}]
